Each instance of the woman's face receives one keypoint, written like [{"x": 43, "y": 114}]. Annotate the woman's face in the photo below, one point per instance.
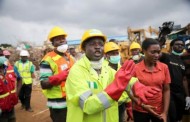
[{"x": 152, "y": 53}]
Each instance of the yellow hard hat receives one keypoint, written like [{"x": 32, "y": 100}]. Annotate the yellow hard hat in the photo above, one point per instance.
[
  {"x": 56, "y": 31},
  {"x": 135, "y": 45},
  {"x": 110, "y": 46},
  {"x": 92, "y": 33}
]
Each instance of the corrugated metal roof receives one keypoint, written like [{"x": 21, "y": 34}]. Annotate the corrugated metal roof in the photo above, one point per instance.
[{"x": 118, "y": 38}]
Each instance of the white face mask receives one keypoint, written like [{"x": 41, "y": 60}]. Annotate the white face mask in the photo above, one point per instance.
[
  {"x": 97, "y": 64},
  {"x": 62, "y": 48},
  {"x": 136, "y": 57}
]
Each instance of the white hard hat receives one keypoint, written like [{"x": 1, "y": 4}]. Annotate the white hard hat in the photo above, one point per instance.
[{"x": 24, "y": 53}]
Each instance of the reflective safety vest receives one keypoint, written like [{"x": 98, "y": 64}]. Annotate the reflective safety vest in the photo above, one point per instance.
[
  {"x": 57, "y": 64},
  {"x": 24, "y": 70},
  {"x": 8, "y": 96},
  {"x": 86, "y": 99}
]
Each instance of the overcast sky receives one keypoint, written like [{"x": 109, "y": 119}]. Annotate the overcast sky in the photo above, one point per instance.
[{"x": 31, "y": 20}]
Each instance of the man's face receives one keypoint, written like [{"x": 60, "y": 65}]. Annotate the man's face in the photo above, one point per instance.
[
  {"x": 94, "y": 48},
  {"x": 135, "y": 51},
  {"x": 72, "y": 51},
  {"x": 112, "y": 53},
  {"x": 59, "y": 40},
  {"x": 24, "y": 58},
  {"x": 178, "y": 46}
]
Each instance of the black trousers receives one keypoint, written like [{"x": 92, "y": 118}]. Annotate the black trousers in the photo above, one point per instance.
[
  {"x": 25, "y": 95},
  {"x": 145, "y": 117},
  {"x": 122, "y": 112},
  {"x": 58, "y": 115},
  {"x": 8, "y": 116},
  {"x": 176, "y": 108}
]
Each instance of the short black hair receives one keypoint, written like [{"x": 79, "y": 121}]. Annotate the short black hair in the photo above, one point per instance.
[
  {"x": 174, "y": 40},
  {"x": 148, "y": 42}
]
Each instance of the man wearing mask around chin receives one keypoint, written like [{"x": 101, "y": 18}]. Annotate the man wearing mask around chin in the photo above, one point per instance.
[
  {"x": 54, "y": 69},
  {"x": 135, "y": 49},
  {"x": 91, "y": 87},
  {"x": 186, "y": 59},
  {"x": 178, "y": 88}
]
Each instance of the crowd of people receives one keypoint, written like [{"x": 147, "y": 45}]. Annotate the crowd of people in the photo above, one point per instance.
[{"x": 96, "y": 85}]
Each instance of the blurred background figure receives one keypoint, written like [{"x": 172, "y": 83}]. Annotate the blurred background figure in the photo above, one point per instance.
[
  {"x": 7, "y": 54},
  {"x": 1, "y": 52},
  {"x": 113, "y": 40},
  {"x": 76, "y": 55},
  {"x": 26, "y": 70},
  {"x": 8, "y": 91},
  {"x": 186, "y": 60},
  {"x": 135, "y": 50}
]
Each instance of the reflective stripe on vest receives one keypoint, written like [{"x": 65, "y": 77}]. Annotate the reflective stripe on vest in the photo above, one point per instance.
[
  {"x": 83, "y": 97},
  {"x": 24, "y": 71},
  {"x": 57, "y": 64},
  {"x": 10, "y": 71},
  {"x": 102, "y": 97},
  {"x": 7, "y": 94},
  {"x": 54, "y": 104},
  {"x": 4, "y": 95}
]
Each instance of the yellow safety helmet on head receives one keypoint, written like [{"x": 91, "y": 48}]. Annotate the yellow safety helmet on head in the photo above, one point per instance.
[
  {"x": 135, "y": 45},
  {"x": 91, "y": 33},
  {"x": 110, "y": 46},
  {"x": 56, "y": 31}
]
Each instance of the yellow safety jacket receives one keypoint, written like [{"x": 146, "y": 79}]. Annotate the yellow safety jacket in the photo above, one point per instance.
[
  {"x": 24, "y": 71},
  {"x": 57, "y": 64},
  {"x": 86, "y": 99}
]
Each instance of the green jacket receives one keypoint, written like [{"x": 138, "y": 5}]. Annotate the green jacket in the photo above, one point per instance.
[{"x": 86, "y": 99}]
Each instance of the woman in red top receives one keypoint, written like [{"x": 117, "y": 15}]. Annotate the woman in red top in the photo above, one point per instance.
[{"x": 151, "y": 72}]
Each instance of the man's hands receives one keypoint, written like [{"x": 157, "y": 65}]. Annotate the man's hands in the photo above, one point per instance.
[
  {"x": 57, "y": 79},
  {"x": 141, "y": 91}
]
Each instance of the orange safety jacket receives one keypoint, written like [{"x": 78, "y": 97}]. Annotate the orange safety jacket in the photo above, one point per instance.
[
  {"x": 57, "y": 64},
  {"x": 8, "y": 96}
]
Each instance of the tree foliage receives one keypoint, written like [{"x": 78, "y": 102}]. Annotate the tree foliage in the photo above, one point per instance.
[{"x": 6, "y": 45}]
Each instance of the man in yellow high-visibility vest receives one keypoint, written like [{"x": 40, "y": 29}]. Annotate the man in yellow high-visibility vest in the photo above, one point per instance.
[
  {"x": 91, "y": 88},
  {"x": 26, "y": 70}
]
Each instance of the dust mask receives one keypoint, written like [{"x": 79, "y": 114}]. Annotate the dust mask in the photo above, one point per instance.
[
  {"x": 176, "y": 53},
  {"x": 62, "y": 48},
  {"x": 136, "y": 57},
  {"x": 97, "y": 64},
  {"x": 115, "y": 59}
]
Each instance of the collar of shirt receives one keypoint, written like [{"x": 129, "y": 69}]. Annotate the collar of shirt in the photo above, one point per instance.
[{"x": 143, "y": 67}]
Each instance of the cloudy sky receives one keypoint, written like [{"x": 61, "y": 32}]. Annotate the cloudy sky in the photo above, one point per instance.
[{"x": 31, "y": 20}]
